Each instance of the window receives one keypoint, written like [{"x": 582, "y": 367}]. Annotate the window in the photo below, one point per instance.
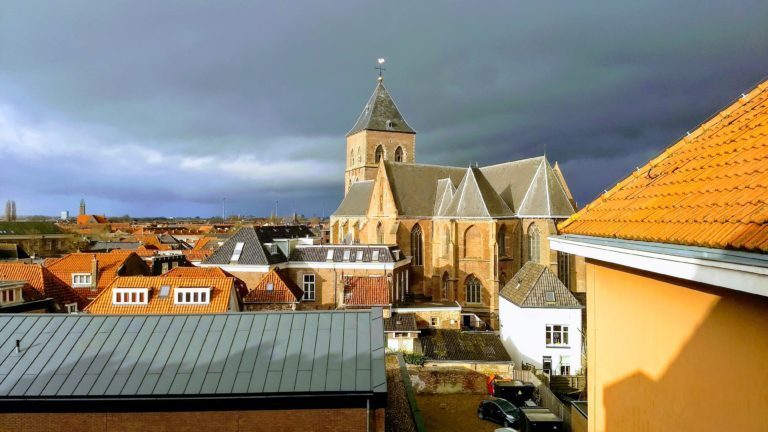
[
  {"x": 473, "y": 289},
  {"x": 345, "y": 257},
  {"x": 130, "y": 296},
  {"x": 192, "y": 296},
  {"x": 534, "y": 244},
  {"x": 352, "y": 157},
  {"x": 164, "y": 268},
  {"x": 309, "y": 287},
  {"x": 270, "y": 286},
  {"x": 446, "y": 241},
  {"x": 446, "y": 284},
  {"x": 501, "y": 240},
  {"x": 71, "y": 307},
  {"x": 434, "y": 321},
  {"x": 547, "y": 364},
  {"x": 564, "y": 268},
  {"x": 399, "y": 154},
  {"x": 417, "y": 245},
  {"x": 375, "y": 255},
  {"x": 359, "y": 255},
  {"x": 165, "y": 290},
  {"x": 236, "y": 253},
  {"x": 379, "y": 153},
  {"x": 556, "y": 335},
  {"x": 8, "y": 296},
  {"x": 549, "y": 296},
  {"x": 81, "y": 279},
  {"x": 329, "y": 255},
  {"x": 565, "y": 365}
]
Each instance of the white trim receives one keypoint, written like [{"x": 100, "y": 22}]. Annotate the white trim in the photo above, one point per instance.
[
  {"x": 738, "y": 277},
  {"x": 82, "y": 284}
]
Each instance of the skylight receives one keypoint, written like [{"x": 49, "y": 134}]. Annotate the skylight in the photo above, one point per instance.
[
  {"x": 549, "y": 296},
  {"x": 165, "y": 290},
  {"x": 346, "y": 255},
  {"x": 236, "y": 253},
  {"x": 375, "y": 255},
  {"x": 359, "y": 255},
  {"x": 270, "y": 286},
  {"x": 329, "y": 255}
]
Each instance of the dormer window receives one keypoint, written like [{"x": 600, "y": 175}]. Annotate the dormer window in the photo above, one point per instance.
[
  {"x": 81, "y": 280},
  {"x": 236, "y": 253},
  {"x": 389, "y": 124},
  {"x": 329, "y": 255},
  {"x": 549, "y": 296},
  {"x": 359, "y": 255},
  {"x": 346, "y": 255},
  {"x": 130, "y": 296},
  {"x": 270, "y": 286},
  {"x": 375, "y": 255},
  {"x": 192, "y": 296},
  {"x": 272, "y": 249},
  {"x": 10, "y": 296}
]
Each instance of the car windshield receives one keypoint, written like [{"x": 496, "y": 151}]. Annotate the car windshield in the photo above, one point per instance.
[{"x": 505, "y": 406}]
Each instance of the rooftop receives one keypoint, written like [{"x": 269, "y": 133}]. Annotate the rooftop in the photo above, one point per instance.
[
  {"x": 535, "y": 286},
  {"x": 457, "y": 345}
]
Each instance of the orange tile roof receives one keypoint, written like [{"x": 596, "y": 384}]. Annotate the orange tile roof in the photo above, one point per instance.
[
  {"x": 221, "y": 290},
  {"x": 709, "y": 189},
  {"x": 41, "y": 281},
  {"x": 203, "y": 242},
  {"x": 109, "y": 264},
  {"x": 208, "y": 272},
  {"x": 197, "y": 255},
  {"x": 366, "y": 291},
  {"x": 284, "y": 290}
]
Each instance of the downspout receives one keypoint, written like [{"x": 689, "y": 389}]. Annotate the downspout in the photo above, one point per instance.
[{"x": 367, "y": 415}]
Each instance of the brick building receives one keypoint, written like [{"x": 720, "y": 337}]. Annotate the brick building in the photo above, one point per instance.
[
  {"x": 298, "y": 371},
  {"x": 467, "y": 230}
]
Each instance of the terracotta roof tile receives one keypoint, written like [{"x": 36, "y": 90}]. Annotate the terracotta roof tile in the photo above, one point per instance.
[
  {"x": 41, "y": 280},
  {"x": 221, "y": 289},
  {"x": 208, "y": 272},
  {"x": 109, "y": 265},
  {"x": 708, "y": 189},
  {"x": 283, "y": 290},
  {"x": 366, "y": 291}
]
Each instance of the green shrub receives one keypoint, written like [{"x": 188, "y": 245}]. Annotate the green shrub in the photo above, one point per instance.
[{"x": 414, "y": 358}]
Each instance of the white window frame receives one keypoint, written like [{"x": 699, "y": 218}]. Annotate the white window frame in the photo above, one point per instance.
[
  {"x": 10, "y": 296},
  {"x": 71, "y": 308},
  {"x": 565, "y": 365},
  {"x": 359, "y": 255},
  {"x": 329, "y": 255},
  {"x": 192, "y": 296},
  {"x": 346, "y": 254},
  {"x": 550, "y": 333},
  {"x": 77, "y": 279},
  {"x": 309, "y": 281},
  {"x": 237, "y": 252},
  {"x": 375, "y": 255},
  {"x": 130, "y": 296}
]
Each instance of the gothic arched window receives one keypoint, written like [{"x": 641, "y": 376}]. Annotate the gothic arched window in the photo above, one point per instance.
[
  {"x": 352, "y": 157},
  {"x": 446, "y": 284},
  {"x": 417, "y": 245},
  {"x": 399, "y": 154},
  {"x": 473, "y": 247},
  {"x": 473, "y": 287},
  {"x": 446, "y": 242},
  {"x": 534, "y": 244},
  {"x": 379, "y": 234},
  {"x": 379, "y": 153},
  {"x": 501, "y": 240}
]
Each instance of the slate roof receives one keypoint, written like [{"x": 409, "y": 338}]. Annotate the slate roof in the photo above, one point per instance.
[
  {"x": 43, "y": 281},
  {"x": 284, "y": 290},
  {"x": 254, "y": 252},
  {"x": 268, "y": 233},
  {"x": 457, "y": 345},
  {"x": 528, "y": 288},
  {"x": 366, "y": 291},
  {"x": 709, "y": 189},
  {"x": 401, "y": 322},
  {"x": 380, "y": 110},
  {"x": 357, "y": 200},
  {"x": 106, "y": 246},
  {"x": 319, "y": 253},
  {"x": 524, "y": 188},
  {"x": 226, "y": 355},
  {"x": 220, "y": 295}
]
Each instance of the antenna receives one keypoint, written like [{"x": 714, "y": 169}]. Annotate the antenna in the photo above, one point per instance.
[
  {"x": 224, "y": 209},
  {"x": 380, "y": 67}
]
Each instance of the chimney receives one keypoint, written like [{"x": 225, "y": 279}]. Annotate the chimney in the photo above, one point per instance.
[
  {"x": 18, "y": 345},
  {"x": 94, "y": 273}
]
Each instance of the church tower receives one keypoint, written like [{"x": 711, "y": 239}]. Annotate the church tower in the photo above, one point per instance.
[
  {"x": 380, "y": 133},
  {"x": 82, "y": 206}
]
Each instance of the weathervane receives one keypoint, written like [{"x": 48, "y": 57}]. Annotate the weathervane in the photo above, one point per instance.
[{"x": 380, "y": 67}]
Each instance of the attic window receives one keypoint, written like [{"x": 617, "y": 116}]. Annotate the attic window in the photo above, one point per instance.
[
  {"x": 81, "y": 279},
  {"x": 273, "y": 249},
  {"x": 346, "y": 255},
  {"x": 389, "y": 124},
  {"x": 130, "y": 296},
  {"x": 165, "y": 291},
  {"x": 549, "y": 296},
  {"x": 359, "y": 255},
  {"x": 236, "y": 253},
  {"x": 375, "y": 255},
  {"x": 329, "y": 255},
  {"x": 192, "y": 296},
  {"x": 270, "y": 286}
]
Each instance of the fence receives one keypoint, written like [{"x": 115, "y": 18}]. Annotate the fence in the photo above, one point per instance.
[{"x": 547, "y": 399}]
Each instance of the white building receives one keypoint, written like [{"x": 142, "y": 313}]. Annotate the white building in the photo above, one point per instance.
[{"x": 540, "y": 321}]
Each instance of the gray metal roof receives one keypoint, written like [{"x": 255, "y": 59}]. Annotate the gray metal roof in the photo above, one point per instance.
[
  {"x": 528, "y": 288},
  {"x": 381, "y": 114},
  {"x": 98, "y": 356},
  {"x": 357, "y": 200}
]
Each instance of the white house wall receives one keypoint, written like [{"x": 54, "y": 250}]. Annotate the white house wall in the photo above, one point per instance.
[{"x": 523, "y": 334}]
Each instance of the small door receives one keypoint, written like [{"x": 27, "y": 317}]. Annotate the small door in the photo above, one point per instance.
[
  {"x": 547, "y": 364},
  {"x": 466, "y": 320}
]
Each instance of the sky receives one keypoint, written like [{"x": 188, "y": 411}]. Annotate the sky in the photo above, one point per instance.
[{"x": 164, "y": 108}]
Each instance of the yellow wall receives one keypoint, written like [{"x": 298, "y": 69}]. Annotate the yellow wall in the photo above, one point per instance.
[{"x": 666, "y": 354}]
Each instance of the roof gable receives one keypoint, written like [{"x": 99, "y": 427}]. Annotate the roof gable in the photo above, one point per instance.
[
  {"x": 709, "y": 189},
  {"x": 381, "y": 114},
  {"x": 475, "y": 198},
  {"x": 275, "y": 287},
  {"x": 253, "y": 251},
  {"x": 357, "y": 200},
  {"x": 528, "y": 288}
]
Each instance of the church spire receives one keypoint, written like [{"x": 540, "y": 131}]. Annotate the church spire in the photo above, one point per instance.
[{"x": 381, "y": 113}]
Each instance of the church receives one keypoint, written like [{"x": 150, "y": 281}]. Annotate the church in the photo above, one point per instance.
[{"x": 467, "y": 230}]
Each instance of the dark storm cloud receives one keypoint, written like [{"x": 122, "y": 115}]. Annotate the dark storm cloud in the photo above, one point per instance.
[{"x": 166, "y": 107}]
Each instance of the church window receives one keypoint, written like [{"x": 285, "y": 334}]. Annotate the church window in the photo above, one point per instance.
[
  {"x": 379, "y": 235},
  {"x": 472, "y": 242},
  {"x": 352, "y": 157},
  {"x": 564, "y": 268},
  {"x": 389, "y": 124},
  {"x": 399, "y": 154},
  {"x": 379, "y": 153},
  {"x": 417, "y": 246},
  {"x": 473, "y": 287},
  {"x": 446, "y": 242},
  {"x": 534, "y": 244},
  {"x": 502, "y": 241},
  {"x": 446, "y": 285}
]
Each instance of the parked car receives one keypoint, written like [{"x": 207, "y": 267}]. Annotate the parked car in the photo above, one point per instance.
[{"x": 499, "y": 411}]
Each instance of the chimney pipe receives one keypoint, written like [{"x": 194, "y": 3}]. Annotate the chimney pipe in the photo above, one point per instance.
[
  {"x": 94, "y": 273},
  {"x": 18, "y": 345}
]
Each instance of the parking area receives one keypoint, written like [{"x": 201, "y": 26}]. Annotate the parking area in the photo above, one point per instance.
[{"x": 453, "y": 412}]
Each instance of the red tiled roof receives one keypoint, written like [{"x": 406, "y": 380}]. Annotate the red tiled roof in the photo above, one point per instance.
[
  {"x": 709, "y": 189},
  {"x": 284, "y": 290},
  {"x": 197, "y": 255},
  {"x": 366, "y": 291},
  {"x": 208, "y": 272},
  {"x": 109, "y": 264},
  {"x": 42, "y": 281},
  {"x": 221, "y": 289}
]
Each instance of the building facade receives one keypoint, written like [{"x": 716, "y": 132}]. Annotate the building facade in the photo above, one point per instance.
[{"x": 467, "y": 230}]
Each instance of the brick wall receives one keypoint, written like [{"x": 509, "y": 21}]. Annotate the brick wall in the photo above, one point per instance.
[{"x": 327, "y": 420}]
